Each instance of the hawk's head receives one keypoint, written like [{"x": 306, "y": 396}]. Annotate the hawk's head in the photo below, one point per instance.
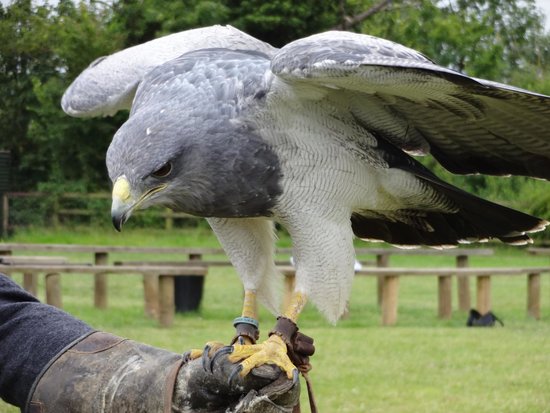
[
  {"x": 202, "y": 165},
  {"x": 159, "y": 159}
]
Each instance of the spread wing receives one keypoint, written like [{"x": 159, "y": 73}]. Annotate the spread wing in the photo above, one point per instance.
[
  {"x": 109, "y": 83},
  {"x": 469, "y": 125}
]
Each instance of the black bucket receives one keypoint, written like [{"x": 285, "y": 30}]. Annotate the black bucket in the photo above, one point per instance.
[{"x": 188, "y": 292}]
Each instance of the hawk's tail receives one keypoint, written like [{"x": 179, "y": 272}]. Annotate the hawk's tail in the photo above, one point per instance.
[{"x": 475, "y": 219}]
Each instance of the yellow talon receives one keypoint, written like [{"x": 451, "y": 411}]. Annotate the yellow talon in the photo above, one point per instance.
[
  {"x": 213, "y": 346},
  {"x": 207, "y": 354},
  {"x": 271, "y": 351},
  {"x": 194, "y": 353}
]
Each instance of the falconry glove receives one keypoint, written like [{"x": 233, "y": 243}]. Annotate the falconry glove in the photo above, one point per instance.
[{"x": 103, "y": 373}]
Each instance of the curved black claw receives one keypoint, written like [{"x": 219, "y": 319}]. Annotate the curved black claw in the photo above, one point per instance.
[
  {"x": 186, "y": 357},
  {"x": 206, "y": 360},
  {"x": 234, "y": 373},
  {"x": 222, "y": 351}
]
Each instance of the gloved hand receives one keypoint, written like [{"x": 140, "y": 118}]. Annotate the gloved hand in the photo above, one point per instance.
[
  {"x": 103, "y": 373},
  {"x": 265, "y": 390}
]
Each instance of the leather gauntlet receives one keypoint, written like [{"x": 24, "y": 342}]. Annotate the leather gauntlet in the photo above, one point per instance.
[{"x": 103, "y": 373}]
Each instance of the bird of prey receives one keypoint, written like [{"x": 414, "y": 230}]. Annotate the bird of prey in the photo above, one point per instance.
[{"x": 319, "y": 136}]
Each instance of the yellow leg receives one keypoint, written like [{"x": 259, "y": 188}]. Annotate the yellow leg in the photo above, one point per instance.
[
  {"x": 247, "y": 324},
  {"x": 250, "y": 307},
  {"x": 273, "y": 350},
  {"x": 250, "y": 311},
  {"x": 297, "y": 303}
]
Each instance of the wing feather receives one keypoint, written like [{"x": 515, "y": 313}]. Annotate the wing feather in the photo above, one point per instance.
[
  {"x": 470, "y": 125},
  {"x": 109, "y": 83}
]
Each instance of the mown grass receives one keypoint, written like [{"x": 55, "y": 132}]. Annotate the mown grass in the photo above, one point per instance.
[{"x": 422, "y": 364}]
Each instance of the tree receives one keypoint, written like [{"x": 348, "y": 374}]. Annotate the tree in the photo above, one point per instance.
[
  {"x": 42, "y": 49},
  {"x": 276, "y": 22},
  {"x": 484, "y": 38},
  {"x": 21, "y": 52}
]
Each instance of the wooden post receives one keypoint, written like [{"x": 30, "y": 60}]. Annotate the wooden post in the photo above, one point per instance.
[
  {"x": 484, "y": 294},
  {"x": 30, "y": 283},
  {"x": 390, "y": 293},
  {"x": 383, "y": 261},
  {"x": 533, "y": 296},
  {"x": 195, "y": 257},
  {"x": 151, "y": 295},
  {"x": 166, "y": 304},
  {"x": 53, "y": 290},
  {"x": 464, "y": 299},
  {"x": 6, "y": 253},
  {"x": 169, "y": 219},
  {"x": 445, "y": 296},
  {"x": 462, "y": 261},
  {"x": 100, "y": 281},
  {"x": 5, "y": 214}
]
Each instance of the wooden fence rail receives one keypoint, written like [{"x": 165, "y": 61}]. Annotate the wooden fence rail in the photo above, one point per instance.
[
  {"x": 158, "y": 282},
  {"x": 59, "y": 211},
  {"x": 390, "y": 286},
  {"x": 153, "y": 271},
  {"x": 102, "y": 254}
]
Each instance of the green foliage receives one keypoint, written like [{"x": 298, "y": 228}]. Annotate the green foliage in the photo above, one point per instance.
[
  {"x": 280, "y": 21},
  {"x": 143, "y": 20},
  {"x": 276, "y": 22},
  {"x": 42, "y": 49},
  {"x": 484, "y": 38}
]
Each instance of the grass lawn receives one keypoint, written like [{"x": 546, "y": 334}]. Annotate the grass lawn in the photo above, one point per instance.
[{"x": 422, "y": 364}]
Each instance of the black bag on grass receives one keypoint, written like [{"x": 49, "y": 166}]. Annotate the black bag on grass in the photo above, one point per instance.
[{"x": 476, "y": 319}]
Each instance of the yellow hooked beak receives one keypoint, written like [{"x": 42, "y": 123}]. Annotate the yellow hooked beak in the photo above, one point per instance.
[{"x": 124, "y": 203}]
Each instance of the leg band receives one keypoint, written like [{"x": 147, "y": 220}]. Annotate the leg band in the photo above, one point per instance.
[{"x": 246, "y": 327}]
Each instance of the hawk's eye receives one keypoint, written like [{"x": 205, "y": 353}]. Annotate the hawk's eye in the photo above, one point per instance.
[{"x": 163, "y": 171}]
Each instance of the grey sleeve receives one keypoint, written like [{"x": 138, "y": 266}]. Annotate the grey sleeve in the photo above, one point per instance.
[{"x": 31, "y": 334}]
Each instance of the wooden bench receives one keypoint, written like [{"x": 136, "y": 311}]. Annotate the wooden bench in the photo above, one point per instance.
[
  {"x": 37, "y": 260},
  {"x": 195, "y": 256},
  {"x": 539, "y": 251},
  {"x": 194, "y": 262},
  {"x": 158, "y": 282},
  {"x": 101, "y": 255},
  {"x": 101, "y": 252},
  {"x": 30, "y": 280},
  {"x": 390, "y": 287},
  {"x": 382, "y": 259},
  {"x": 461, "y": 256},
  {"x": 104, "y": 250}
]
